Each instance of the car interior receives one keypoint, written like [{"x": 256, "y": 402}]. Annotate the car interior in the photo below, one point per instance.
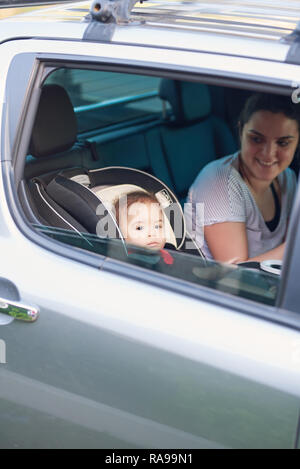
[
  {"x": 197, "y": 124},
  {"x": 81, "y": 151}
]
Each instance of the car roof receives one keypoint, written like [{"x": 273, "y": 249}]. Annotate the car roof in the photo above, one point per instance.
[{"x": 259, "y": 29}]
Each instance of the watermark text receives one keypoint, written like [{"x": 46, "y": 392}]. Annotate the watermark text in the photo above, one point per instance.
[{"x": 2, "y": 352}]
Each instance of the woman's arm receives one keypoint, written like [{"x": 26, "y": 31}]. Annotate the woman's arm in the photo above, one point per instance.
[{"x": 228, "y": 242}]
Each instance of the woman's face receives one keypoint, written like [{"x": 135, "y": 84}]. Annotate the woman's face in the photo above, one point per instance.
[{"x": 268, "y": 144}]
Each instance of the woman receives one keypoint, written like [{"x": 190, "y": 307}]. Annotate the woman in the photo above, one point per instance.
[{"x": 248, "y": 196}]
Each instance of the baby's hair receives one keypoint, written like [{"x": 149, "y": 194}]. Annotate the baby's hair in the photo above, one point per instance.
[{"x": 132, "y": 198}]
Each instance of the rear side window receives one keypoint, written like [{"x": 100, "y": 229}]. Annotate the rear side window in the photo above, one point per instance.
[
  {"x": 126, "y": 147},
  {"x": 101, "y": 99}
]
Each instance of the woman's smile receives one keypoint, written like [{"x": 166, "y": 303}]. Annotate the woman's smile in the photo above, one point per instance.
[{"x": 267, "y": 164}]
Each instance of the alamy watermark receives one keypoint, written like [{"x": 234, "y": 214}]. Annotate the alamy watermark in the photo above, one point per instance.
[
  {"x": 296, "y": 93},
  {"x": 108, "y": 225},
  {"x": 2, "y": 352}
]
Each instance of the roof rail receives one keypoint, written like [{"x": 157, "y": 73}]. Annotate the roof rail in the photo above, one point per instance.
[
  {"x": 293, "y": 56},
  {"x": 29, "y": 3},
  {"x": 112, "y": 11}
]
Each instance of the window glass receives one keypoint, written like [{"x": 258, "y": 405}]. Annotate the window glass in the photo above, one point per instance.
[
  {"x": 105, "y": 98},
  {"x": 244, "y": 282},
  {"x": 123, "y": 114}
]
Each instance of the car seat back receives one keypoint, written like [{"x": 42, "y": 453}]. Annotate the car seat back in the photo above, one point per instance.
[{"x": 191, "y": 136}]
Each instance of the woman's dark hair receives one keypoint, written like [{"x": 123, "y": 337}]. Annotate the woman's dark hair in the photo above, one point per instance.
[{"x": 269, "y": 102}]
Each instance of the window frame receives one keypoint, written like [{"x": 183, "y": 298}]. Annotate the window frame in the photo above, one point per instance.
[{"x": 283, "y": 313}]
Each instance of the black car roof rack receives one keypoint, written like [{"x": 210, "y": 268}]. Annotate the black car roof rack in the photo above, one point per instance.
[{"x": 29, "y": 3}]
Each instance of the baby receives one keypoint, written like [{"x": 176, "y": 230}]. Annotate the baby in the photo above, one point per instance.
[{"x": 141, "y": 221}]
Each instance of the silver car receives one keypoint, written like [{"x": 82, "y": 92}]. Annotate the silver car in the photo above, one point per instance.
[{"x": 106, "y": 347}]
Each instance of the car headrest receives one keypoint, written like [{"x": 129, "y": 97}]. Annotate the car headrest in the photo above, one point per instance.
[
  {"x": 189, "y": 101},
  {"x": 75, "y": 199},
  {"x": 116, "y": 175},
  {"x": 110, "y": 194},
  {"x": 55, "y": 126},
  {"x": 100, "y": 189}
]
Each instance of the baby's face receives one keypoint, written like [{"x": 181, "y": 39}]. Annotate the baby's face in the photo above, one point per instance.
[{"x": 142, "y": 224}]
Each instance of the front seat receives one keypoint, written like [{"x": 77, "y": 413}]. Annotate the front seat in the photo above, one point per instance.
[{"x": 191, "y": 136}]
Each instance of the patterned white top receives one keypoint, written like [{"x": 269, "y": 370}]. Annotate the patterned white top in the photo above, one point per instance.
[{"x": 227, "y": 198}]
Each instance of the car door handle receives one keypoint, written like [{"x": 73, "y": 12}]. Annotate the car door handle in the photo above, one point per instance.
[
  {"x": 11, "y": 305},
  {"x": 18, "y": 310}
]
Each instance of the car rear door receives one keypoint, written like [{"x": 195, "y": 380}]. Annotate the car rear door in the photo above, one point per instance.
[{"x": 123, "y": 358}]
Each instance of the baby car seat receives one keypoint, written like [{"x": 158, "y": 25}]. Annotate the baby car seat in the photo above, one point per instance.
[{"x": 89, "y": 196}]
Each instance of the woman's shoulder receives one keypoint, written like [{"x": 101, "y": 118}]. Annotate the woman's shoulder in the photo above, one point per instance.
[
  {"x": 219, "y": 186},
  {"x": 218, "y": 171}
]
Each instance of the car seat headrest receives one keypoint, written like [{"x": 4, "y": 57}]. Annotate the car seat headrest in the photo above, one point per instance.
[
  {"x": 77, "y": 200},
  {"x": 116, "y": 175},
  {"x": 189, "y": 101},
  {"x": 100, "y": 189},
  {"x": 110, "y": 194},
  {"x": 55, "y": 126}
]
